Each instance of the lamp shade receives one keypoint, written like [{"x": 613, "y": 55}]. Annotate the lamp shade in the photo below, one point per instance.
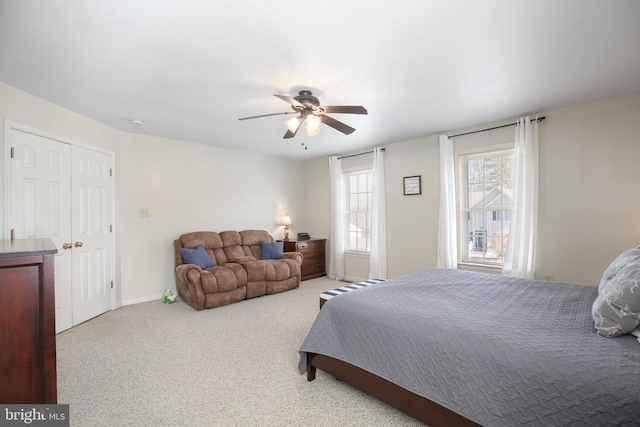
[
  {"x": 293, "y": 124},
  {"x": 286, "y": 219},
  {"x": 313, "y": 125}
]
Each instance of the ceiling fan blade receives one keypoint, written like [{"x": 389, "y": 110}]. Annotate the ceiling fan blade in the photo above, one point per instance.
[
  {"x": 291, "y": 134},
  {"x": 290, "y": 100},
  {"x": 267, "y": 115},
  {"x": 346, "y": 129},
  {"x": 346, "y": 109}
]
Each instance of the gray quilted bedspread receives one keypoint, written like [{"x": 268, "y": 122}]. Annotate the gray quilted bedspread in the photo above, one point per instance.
[{"x": 499, "y": 351}]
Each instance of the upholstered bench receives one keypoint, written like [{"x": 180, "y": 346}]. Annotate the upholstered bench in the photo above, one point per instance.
[{"x": 327, "y": 295}]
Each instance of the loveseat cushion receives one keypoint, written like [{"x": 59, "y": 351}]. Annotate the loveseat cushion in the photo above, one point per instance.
[
  {"x": 251, "y": 241},
  {"x": 232, "y": 246},
  {"x": 280, "y": 269},
  {"x": 221, "y": 279},
  {"x": 256, "y": 270}
]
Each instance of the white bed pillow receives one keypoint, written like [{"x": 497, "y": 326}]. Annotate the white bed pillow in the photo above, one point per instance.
[{"x": 616, "y": 310}]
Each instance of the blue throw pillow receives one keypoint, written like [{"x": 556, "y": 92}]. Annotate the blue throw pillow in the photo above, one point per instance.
[
  {"x": 272, "y": 250},
  {"x": 197, "y": 256}
]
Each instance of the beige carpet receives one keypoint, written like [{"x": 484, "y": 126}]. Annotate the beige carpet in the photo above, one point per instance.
[{"x": 153, "y": 364}]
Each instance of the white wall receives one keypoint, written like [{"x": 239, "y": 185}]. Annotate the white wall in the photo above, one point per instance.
[
  {"x": 191, "y": 187},
  {"x": 589, "y": 191},
  {"x": 589, "y": 188},
  {"x": 187, "y": 187}
]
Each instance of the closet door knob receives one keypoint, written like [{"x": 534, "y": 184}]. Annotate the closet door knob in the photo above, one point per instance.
[
  {"x": 66, "y": 246},
  {"x": 78, "y": 244}
]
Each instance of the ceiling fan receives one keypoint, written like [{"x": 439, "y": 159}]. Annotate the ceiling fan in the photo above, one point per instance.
[{"x": 312, "y": 114}]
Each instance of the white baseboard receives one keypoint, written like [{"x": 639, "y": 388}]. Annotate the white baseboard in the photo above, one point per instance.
[{"x": 143, "y": 299}]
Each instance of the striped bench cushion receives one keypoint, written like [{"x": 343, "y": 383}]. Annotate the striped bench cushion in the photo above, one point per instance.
[{"x": 327, "y": 295}]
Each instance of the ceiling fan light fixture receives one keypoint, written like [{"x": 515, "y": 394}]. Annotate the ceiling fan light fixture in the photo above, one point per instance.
[
  {"x": 292, "y": 124},
  {"x": 313, "y": 125},
  {"x": 312, "y": 114}
]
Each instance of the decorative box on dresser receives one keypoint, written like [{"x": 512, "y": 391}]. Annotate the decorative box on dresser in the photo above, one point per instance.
[
  {"x": 27, "y": 322},
  {"x": 313, "y": 256}
]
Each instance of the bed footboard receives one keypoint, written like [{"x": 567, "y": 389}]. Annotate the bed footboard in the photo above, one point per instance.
[{"x": 410, "y": 403}]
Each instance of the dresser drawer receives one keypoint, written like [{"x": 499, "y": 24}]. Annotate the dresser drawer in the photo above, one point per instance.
[{"x": 310, "y": 245}]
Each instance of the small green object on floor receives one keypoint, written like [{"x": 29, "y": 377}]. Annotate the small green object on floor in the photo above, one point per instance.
[{"x": 168, "y": 297}]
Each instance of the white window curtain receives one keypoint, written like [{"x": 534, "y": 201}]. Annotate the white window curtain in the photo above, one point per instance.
[
  {"x": 336, "y": 238},
  {"x": 520, "y": 257},
  {"x": 378, "y": 254},
  {"x": 447, "y": 233}
]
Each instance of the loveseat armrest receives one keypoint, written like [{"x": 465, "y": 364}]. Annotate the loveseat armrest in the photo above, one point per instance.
[
  {"x": 189, "y": 285},
  {"x": 297, "y": 256}
]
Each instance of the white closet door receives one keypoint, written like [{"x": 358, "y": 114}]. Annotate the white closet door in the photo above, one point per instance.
[
  {"x": 41, "y": 206},
  {"x": 92, "y": 244}
]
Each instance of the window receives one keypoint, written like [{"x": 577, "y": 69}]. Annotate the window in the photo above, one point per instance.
[
  {"x": 359, "y": 196},
  {"x": 486, "y": 193}
]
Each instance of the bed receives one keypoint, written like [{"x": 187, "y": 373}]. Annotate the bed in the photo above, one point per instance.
[{"x": 453, "y": 347}]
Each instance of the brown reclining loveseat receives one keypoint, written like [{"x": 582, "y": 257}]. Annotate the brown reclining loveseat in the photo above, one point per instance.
[{"x": 239, "y": 271}]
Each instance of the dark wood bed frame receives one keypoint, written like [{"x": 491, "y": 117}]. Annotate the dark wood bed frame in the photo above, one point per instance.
[{"x": 417, "y": 406}]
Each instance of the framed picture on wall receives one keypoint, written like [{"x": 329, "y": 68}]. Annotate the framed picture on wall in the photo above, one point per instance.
[{"x": 412, "y": 185}]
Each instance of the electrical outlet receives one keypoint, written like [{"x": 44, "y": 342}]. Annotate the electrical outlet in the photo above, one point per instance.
[
  {"x": 144, "y": 213},
  {"x": 548, "y": 277}
]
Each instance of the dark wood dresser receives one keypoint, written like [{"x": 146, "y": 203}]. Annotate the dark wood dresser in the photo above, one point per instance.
[
  {"x": 313, "y": 253},
  {"x": 27, "y": 322}
]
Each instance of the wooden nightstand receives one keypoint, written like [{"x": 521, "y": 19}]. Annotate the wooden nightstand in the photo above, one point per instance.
[{"x": 313, "y": 254}]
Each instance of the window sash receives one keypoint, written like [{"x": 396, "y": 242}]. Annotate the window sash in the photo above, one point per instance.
[{"x": 485, "y": 206}]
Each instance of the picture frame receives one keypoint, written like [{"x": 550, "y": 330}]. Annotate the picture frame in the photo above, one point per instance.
[{"x": 412, "y": 185}]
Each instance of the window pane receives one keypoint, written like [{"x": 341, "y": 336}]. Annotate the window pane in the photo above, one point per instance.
[
  {"x": 475, "y": 196},
  {"x": 352, "y": 222},
  {"x": 507, "y": 168},
  {"x": 491, "y": 169},
  {"x": 362, "y": 183},
  {"x": 362, "y": 202},
  {"x": 353, "y": 184},
  {"x": 474, "y": 171},
  {"x": 362, "y": 243}
]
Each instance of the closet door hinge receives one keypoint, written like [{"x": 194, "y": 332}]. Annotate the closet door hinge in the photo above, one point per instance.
[
  {"x": 13, "y": 234},
  {"x": 112, "y": 284},
  {"x": 13, "y": 152},
  {"x": 111, "y": 228},
  {"x": 110, "y": 171}
]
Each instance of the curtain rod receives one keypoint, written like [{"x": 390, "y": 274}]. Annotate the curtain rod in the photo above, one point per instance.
[
  {"x": 359, "y": 154},
  {"x": 539, "y": 119}
]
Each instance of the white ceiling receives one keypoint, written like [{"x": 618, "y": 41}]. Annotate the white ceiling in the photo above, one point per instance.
[{"x": 190, "y": 68}]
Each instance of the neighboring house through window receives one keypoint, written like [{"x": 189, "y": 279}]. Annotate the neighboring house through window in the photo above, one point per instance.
[
  {"x": 486, "y": 193},
  {"x": 359, "y": 187}
]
